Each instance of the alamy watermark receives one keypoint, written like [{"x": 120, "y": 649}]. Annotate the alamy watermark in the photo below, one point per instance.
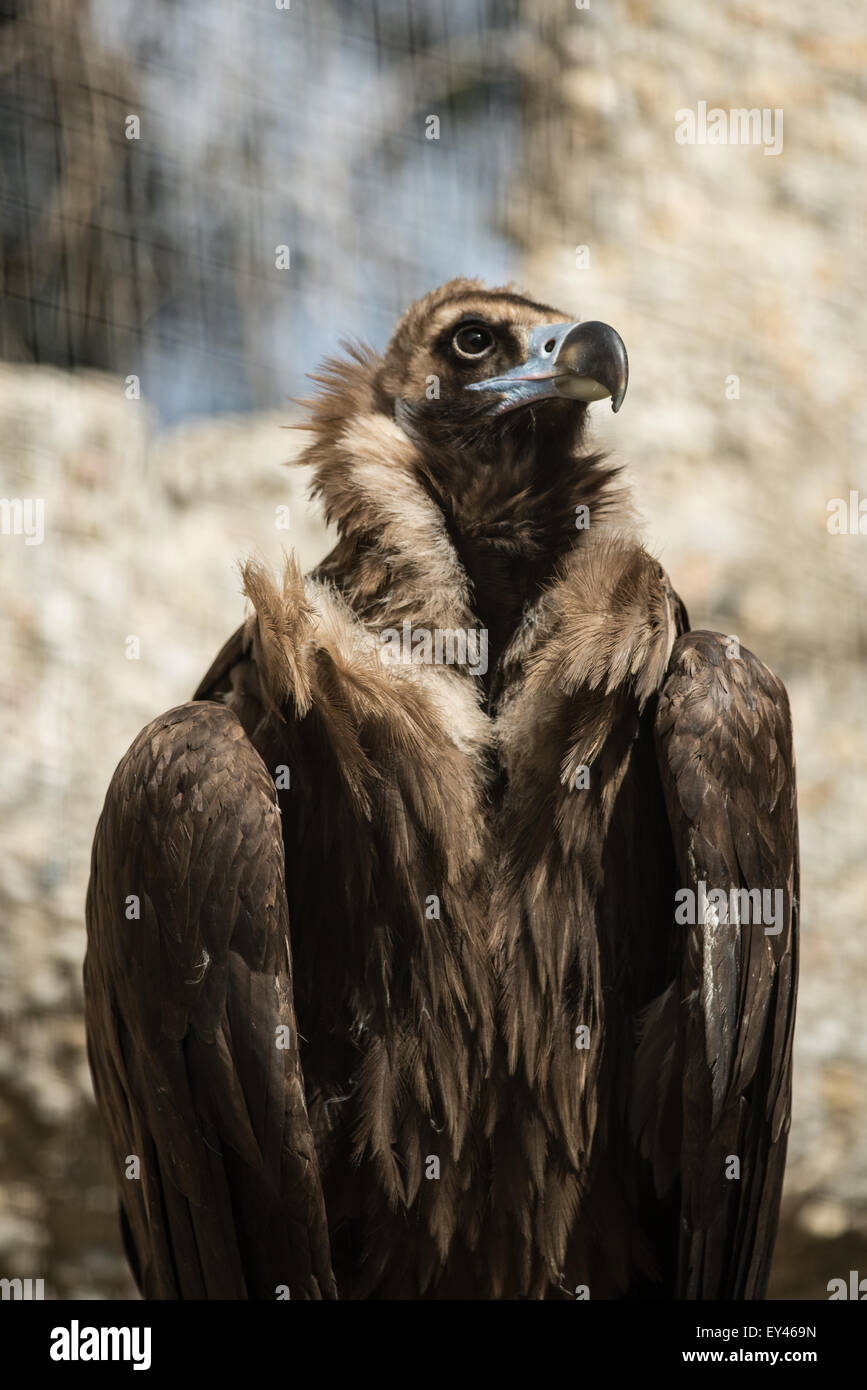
[
  {"x": 77, "y": 1343},
  {"x": 23, "y": 517},
  {"x": 742, "y": 906},
  {"x": 26, "y": 1289},
  {"x": 739, "y": 126},
  {"x": 449, "y": 646},
  {"x": 847, "y": 518}
]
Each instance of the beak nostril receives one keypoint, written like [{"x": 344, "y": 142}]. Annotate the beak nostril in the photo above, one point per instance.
[{"x": 549, "y": 346}]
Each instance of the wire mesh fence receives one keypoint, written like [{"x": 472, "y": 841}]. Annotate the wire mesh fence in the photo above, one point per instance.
[{"x": 203, "y": 200}]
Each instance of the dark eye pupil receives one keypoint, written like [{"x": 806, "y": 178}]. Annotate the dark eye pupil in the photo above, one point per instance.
[{"x": 473, "y": 341}]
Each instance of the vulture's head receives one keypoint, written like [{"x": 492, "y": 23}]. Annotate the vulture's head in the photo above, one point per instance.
[
  {"x": 482, "y": 395},
  {"x": 476, "y": 354}
]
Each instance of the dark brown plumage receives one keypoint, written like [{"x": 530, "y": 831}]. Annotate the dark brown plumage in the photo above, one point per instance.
[{"x": 475, "y": 865}]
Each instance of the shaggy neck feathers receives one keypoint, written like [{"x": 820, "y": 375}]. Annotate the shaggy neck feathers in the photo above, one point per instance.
[
  {"x": 469, "y": 862},
  {"x": 446, "y": 519}
]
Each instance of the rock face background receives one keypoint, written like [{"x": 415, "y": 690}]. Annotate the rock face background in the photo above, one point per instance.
[{"x": 156, "y": 258}]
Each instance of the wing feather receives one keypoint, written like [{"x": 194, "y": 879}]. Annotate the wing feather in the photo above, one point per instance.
[
  {"x": 724, "y": 745},
  {"x": 185, "y": 1005}
]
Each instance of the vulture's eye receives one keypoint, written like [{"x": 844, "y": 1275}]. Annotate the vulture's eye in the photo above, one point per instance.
[{"x": 473, "y": 341}]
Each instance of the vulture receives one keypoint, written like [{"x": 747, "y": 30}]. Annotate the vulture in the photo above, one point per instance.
[{"x": 444, "y": 945}]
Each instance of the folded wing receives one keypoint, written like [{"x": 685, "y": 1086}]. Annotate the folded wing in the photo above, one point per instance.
[
  {"x": 713, "y": 1073},
  {"x": 191, "y": 1025}
]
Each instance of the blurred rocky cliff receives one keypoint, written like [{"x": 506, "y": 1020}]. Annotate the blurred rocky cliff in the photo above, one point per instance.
[
  {"x": 143, "y": 532},
  {"x": 735, "y": 278}
]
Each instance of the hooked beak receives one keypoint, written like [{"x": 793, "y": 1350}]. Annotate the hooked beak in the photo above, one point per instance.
[{"x": 582, "y": 361}]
